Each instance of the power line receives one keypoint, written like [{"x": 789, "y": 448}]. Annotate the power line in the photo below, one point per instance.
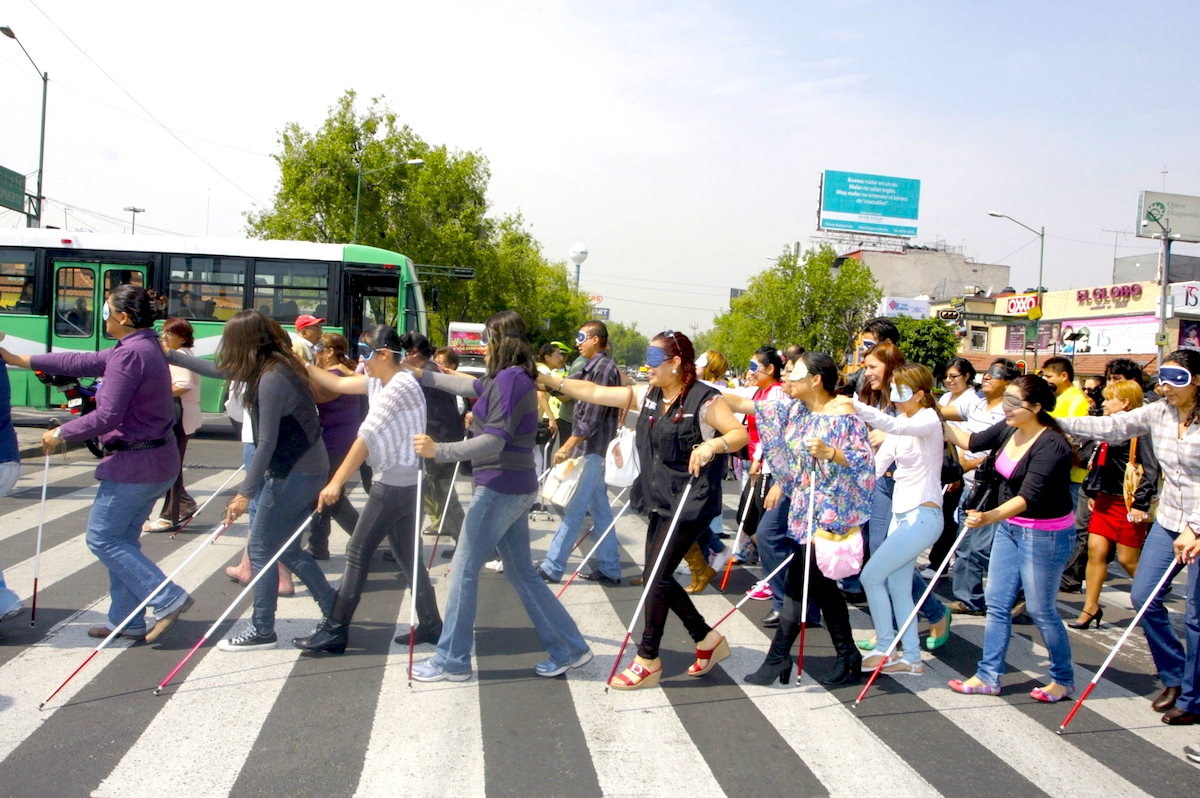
[
  {"x": 144, "y": 108},
  {"x": 673, "y": 289},
  {"x": 114, "y": 219},
  {"x": 663, "y": 304}
]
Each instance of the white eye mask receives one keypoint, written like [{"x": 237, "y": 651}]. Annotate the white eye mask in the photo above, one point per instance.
[
  {"x": 900, "y": 393},
  {"x": 799, "y": 371}
]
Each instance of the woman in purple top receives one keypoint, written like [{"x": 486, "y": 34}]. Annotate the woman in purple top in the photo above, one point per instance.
[
  {"x": 504, "y": 426},
  {"x": 133, "y": 419},
  {"x": 340, "y": 416}
]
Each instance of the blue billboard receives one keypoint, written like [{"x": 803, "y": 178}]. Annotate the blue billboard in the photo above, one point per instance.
[{"x": 877, "y": 204}]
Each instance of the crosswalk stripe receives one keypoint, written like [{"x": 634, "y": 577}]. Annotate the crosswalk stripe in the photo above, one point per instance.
[{"x": 795, "y": 712}]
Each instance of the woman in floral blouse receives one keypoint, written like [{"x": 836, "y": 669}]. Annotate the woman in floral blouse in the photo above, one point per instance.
[{"x": 805, "y": 441}]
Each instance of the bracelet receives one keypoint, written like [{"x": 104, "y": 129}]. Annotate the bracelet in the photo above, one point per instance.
[
  {"x": 561, "y": 384},
  {"x": 724, "y": 444}
]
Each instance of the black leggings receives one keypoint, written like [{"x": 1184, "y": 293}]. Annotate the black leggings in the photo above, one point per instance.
[
  {"x": 665, "y": 593},
  {"x": 341, "y": 511},
  {"x": 390, "y": 513}
]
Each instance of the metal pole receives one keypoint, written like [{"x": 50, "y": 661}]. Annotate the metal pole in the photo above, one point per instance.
[
  {"x": 1037, "y": 335},
  {"x": 42, "y": 148},
  {"x": 133, "y": 228},
  {"x": 357, "y": 197},
  {"x": 1166, "y": 280}
]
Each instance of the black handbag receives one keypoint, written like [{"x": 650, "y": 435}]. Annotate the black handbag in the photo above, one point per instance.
[{"x": 952, "y": 470}]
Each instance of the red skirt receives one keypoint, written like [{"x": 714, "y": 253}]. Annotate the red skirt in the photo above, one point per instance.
[{"x": 1110, "y": 520}]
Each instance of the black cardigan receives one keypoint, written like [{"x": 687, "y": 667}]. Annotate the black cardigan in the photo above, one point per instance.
[{"x": 1042, "y": 476}]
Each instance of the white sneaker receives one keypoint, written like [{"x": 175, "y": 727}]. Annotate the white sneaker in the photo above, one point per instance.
[
  {"x": 495, "y": 565},
  {"x": 720, "y": 559}
]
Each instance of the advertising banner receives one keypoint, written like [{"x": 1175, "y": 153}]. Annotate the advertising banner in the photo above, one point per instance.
[
  {"x": 1179, "y": 212},
  {"x": 1129, "y": 335},
  {"x": 864, "y": 203},
  {"x": 1014, "y": 338},
  {"x": 899, "y": 306}
]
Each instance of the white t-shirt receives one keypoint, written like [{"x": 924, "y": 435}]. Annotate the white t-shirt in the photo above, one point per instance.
[
  {"x": 965, "y": 404},
  {"x": 979, "y": 419},
  {"x": 916, "y": 445}
]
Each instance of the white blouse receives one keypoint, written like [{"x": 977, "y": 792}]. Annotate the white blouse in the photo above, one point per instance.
[{"x": 917, "y": 452}]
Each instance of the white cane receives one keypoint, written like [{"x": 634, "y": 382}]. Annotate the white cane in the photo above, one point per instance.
[
  {"x": 412, "y": 608},
  {"x": 583, "y": 562},
  {"x": 809, "y": 554},
  {"x": 37, "y": 555},
  {"x": 445, "y": 510},
  {"x": 200, "y": 509}
]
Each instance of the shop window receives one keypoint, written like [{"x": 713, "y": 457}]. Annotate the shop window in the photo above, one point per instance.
[{"x": 979, "y": 339}]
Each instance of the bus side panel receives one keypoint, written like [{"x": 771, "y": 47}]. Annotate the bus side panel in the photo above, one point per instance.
[{"x": 26, "y": 335}]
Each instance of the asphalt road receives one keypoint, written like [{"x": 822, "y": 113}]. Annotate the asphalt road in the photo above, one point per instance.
[{"x": 277, "y": 723}]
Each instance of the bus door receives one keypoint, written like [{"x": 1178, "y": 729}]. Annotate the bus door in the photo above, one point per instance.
[
  {"x": 369, "y": 297},
  {"x": 76, "y": 318}
]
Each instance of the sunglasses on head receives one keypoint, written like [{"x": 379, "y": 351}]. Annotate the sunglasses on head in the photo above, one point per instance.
[{"x": 1176, "y": 376}]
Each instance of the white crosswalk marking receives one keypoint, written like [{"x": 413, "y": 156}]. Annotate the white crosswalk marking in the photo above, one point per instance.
[{"x": 431, "y": 739}]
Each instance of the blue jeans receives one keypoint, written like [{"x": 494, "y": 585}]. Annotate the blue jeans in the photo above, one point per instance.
[
  {"x": 971, "y": 564},
  {"x": 499, "y": 521},
  {"x": 283, "y": 505},
  {"x": 887, "y": 578},
  {"x": 247, "y": 456},
  {"x": 1176, "y": 665},
  {"x": 10, "y": 472},
  {"x": 1032, "y": 559},
  {"x": 709, "y": 543},
  {"x": 591, "y": 494},
  {"x": 774, "y": 546},
  {"x": 877, "y": 533},
  {"x": 113, "y": 530}
]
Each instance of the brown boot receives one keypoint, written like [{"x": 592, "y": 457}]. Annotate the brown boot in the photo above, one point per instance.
[{"x": 702, "y": 572}]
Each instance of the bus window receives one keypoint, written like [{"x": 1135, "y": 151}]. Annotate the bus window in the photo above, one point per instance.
[
  {"x": 211, "y": 289},
  {"x": 73, "y": 302},
  {"x": 16, "y": 281},
  {"x": 287, "y": 289}
]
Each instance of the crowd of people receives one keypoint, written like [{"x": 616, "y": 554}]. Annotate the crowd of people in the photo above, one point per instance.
[{"x": 1013, "y": 489}]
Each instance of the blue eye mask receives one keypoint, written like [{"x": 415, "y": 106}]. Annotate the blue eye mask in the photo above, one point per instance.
[
  {"x": 900, "y": 393},
  {"x": 754, "y": 367},
  {"x": 655, "y": 356}
]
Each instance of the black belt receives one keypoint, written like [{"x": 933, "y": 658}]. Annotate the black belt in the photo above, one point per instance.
[{"x": 122, "y": 446}]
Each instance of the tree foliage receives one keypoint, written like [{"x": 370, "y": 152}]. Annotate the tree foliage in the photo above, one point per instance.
[
  {"x": 625, "y": 344},
  {"x": 800, "y": 300},
  {"x": 928, "y": 341},
  {"x": 435, "y": 214}
]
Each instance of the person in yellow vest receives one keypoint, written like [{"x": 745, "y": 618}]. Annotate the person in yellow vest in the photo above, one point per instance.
[{"x": 1071, "y": 402}]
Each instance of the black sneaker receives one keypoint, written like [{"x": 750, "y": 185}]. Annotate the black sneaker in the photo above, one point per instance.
[
  {"x": 249, "y": 640},
  {"x": 597, "y": 576},
  {"x": 547, "y": 577}
]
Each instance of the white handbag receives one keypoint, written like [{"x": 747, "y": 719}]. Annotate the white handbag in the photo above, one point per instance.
[
  {"x": 621, "y": 463},
  {"x": 561, "y": 481}
]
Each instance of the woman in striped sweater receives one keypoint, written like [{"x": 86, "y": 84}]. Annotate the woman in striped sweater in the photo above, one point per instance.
[{"x": 397, "y": 414}]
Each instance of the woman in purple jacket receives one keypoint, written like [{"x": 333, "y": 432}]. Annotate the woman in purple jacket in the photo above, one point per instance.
[{"x": 133, "y": 418}]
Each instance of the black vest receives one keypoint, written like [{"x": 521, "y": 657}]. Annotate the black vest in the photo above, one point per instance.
[{"x": 665, "y": 448}]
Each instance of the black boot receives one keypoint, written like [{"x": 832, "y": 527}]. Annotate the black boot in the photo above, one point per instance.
[
  {"x": 328, "y": 636},
  {"x": 848, "y": 667},
  {"x": 333, "y": 632},
  {"x": 778, "y": 664}
]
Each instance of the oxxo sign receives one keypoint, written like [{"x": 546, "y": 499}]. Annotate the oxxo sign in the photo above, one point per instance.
[
  {"x": 1107, "y": 293},
  {"x": 1020, "y": 305}
]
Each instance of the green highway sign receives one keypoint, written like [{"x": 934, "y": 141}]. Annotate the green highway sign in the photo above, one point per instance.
[{"x": 12, "y": 190}]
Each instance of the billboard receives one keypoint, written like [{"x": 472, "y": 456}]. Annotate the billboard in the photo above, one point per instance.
[
  {"x": 899, "y": 306},
  {"x": 876, "y": 204},
  {"x": 1131, "y": 335},
  {"x": 1179, "y": 212}
]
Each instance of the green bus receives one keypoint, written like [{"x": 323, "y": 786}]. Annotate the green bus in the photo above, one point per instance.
[{"x": 52, "y": 284}]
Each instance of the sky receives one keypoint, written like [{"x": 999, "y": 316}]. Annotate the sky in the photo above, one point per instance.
[{"x": 681, "y": 142}]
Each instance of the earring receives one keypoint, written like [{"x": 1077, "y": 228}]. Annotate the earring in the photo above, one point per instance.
[{"x": 674, "y": 371}]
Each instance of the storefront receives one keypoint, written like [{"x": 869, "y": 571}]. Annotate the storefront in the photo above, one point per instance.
[{"x": 1089, "y": 325}]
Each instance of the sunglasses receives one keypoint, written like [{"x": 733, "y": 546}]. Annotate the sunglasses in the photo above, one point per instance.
[
  {"x": 1176, "y": 376},
  {"x": 319, "y": 348},
  {"x": 950, "y": 376},
  {"x": 1013, "y": 402}
]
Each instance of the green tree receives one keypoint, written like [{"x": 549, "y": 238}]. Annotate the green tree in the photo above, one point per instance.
[
  {"x": 800, "y": 300},
  {"x": 435, "y": 214},
  {"x": 625, "y": 344},
  {"x": 928, "y": 341}
]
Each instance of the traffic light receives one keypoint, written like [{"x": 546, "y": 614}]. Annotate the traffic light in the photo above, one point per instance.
[{"x": 1022, "y": 366}]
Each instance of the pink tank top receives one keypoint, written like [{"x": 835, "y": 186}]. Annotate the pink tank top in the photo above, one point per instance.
[{"x": 1006, "y": 466}]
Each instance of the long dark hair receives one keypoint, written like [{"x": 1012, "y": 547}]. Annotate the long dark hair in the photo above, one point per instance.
[
  {"x": 1036, "y": 391},
  {"x": 340, "y": 347},
  {"x": 136, "y": 301},
  {"x": 381, "y": 336},
  {"x": 768, "y": 356},
  {"x": 251, "y": 344},
  {"x": 1190, "y": 360},
  {"x": 506, "y": 336},
  {"x": 821, "y": 365},
  {"x": 676, "y": 344}
]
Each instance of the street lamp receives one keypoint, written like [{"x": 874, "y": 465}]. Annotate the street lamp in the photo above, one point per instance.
[
  {"x": 1151, "y": 216},
  {"x": 36, "y": 216},
  {"x": 358, "y": 190},
  {"x": 1041, "y": 263},
  {"x": 135, "y": 212}
]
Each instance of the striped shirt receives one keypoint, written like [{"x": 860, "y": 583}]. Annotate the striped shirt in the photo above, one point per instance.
[
  {"x": 597, "y": 424},
  {"x": 397, "y": 414},
  {"x": 1178, "y": 458}
]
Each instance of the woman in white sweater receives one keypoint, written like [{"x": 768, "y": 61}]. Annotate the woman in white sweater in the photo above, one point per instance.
[{"x": 914, "y": 444}]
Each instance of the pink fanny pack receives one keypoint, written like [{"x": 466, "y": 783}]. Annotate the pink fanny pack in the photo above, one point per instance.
[{"x": 839, "y": 556}]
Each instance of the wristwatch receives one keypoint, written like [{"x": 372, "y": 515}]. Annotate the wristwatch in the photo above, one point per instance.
[{"x": 57, "y": 432}]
